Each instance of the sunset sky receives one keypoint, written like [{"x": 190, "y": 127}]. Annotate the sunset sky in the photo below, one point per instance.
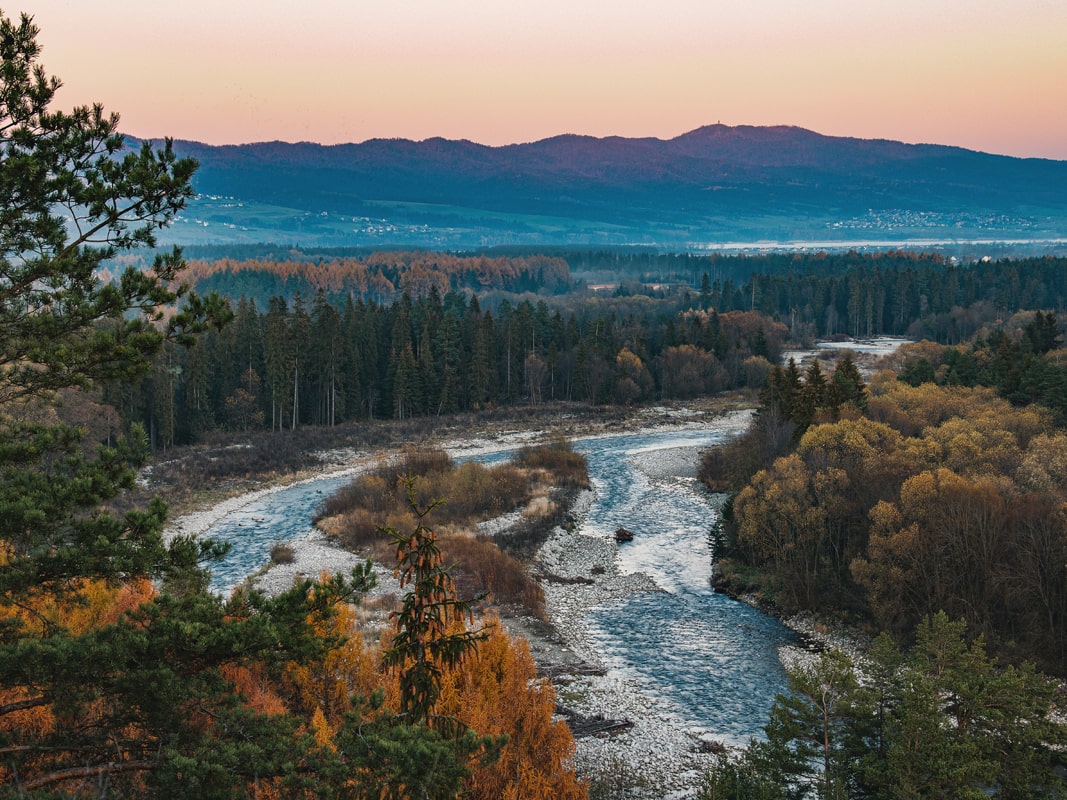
[{"x": 989, "y": 75}]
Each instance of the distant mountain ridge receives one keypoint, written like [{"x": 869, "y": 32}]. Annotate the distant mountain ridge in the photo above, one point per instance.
[{"x": 715, "y": 183}]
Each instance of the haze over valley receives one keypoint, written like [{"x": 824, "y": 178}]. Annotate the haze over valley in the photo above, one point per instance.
[{"x": 713, "y": 187}]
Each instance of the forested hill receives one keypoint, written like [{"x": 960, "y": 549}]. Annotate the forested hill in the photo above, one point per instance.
[{"x": 713, "y": 184}]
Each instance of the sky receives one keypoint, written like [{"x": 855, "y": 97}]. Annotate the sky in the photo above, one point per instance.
[{"x": 988, "y": 75}]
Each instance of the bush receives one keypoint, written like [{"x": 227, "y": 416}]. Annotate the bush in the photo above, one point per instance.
[
  {"x": 360, "y": 530},
  {"x": 370, "y": 493},
  {"x": 479, "y": 566},
  {"x": 558, "y": 457},
  {"x": 471, "y": 492},
  {"x": 524, "y": 539},
  {"x": 424, "y": 461},
  {"x": 282, "y": 553}
]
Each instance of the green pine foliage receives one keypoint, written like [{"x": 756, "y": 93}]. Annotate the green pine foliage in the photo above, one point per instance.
[
  {"x": 1024, "y": 369},
  {"x": 943, "y": 721},
  {"x": 348, "y": 360},
  {"x": 431, "y": 636}
]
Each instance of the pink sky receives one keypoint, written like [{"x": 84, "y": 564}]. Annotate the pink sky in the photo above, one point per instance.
[{"x": 988, "y": 75}]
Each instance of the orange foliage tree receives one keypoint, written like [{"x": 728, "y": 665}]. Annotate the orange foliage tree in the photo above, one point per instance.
[{"x": 497, "y": 693}]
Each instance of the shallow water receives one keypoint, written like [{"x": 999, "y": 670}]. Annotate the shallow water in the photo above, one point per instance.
[
  {"x": 714, "y": 658},
  {"x": 254, "y": 529}
]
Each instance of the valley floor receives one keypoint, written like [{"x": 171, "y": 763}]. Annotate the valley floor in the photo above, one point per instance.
[{"x": 658, "y": 755}]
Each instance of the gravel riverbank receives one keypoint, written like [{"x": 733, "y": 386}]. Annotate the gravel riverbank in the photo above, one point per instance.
[{"x": 660, "y": 756}]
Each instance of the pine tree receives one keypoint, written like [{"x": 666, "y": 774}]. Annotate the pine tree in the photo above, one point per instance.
[
  {"x": 846, "y": 386},
  {"x": 324, "y": 362},
  {"x": 299, "y": 331},
  {"x": 426, "y": 641},
  {"x": 135, "y": 702}
]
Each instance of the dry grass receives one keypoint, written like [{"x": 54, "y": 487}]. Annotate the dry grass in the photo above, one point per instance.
[
  {"x": 470, "y": 492},
  {"x": 282, "y": 553},
  {"x": 568, "y": 468}
]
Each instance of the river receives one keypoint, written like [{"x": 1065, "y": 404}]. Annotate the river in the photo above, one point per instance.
[
  {"x": 252, "y": 529},
  {"x": 714, "y": 659}
]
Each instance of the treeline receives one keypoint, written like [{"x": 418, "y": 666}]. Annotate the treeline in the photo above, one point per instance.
[
  {"x": 291, "y": 365},
  {"x": 1015, "y": 363},
  {"x": 380, "y": 277},
  {"x": 918, "y": 499},
  {"x": 920, "y": 296}
]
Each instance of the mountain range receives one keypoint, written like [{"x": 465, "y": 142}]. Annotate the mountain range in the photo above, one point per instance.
[{"x": 714, "y": 185}]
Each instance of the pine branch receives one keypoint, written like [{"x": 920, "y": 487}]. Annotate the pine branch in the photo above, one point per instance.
[
  {"x": 94, "y": 771},
  {"x": 22, "y": 705}
]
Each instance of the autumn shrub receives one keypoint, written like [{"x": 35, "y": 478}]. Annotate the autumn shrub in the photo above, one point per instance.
[
  {"x": 282, "y": 553},
  {"x": 557, "y": 457},
  {"x": 497, "y": 692},
  {"x": 360, "y": 530},
  {"x": 729, "y": 466},
  {"x": 372, "y": 493},
  {"x": 380, "y": 490},
  {"x": 473, "y": 491},
  {"x": 524, "y": 538},
  {"x": 423, "y": 461},
  {"x": 470, "y": 491},
  {"x": 479, "y": 566}
]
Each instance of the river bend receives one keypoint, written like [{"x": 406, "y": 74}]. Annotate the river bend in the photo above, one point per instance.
[{"x": 713, "y": 658}]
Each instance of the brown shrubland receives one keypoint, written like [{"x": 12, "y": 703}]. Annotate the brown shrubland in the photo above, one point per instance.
[{"x": 539, "y": 484}]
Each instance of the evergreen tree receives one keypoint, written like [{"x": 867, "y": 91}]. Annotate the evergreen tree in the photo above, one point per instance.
[
  {"x": 278, "y": 361},
  {"x": 448, "y": 345},
  {"x": 847, "y": 386},
  {"x": 299, "y": 333},
  {"x": 197, "y": 410},
  {"x": 136, "y": 703},
  {"x": 479, "y": 366},
  {"x": 324, "y": 362},
  {"x": 430, "y": 633},
  {"x": 705, "y": 292},
  {"x": 811, "y": 397},
  {"x": 351, "y": 365},
  {"x": 1042, "y": 333}
]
